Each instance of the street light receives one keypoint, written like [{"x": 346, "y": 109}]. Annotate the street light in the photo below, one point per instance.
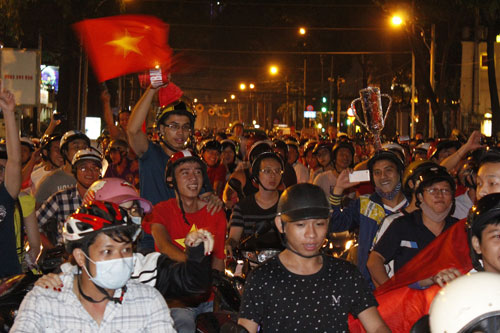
[
  {"x": 273, "y": 70},
  {"x": 396, "y": 21},
  {"x": 243, "y": 86},
  {"x": 302, "y": 31},
  {"x": 251, "y": 86},
  {"x": 233, "y": 96}
]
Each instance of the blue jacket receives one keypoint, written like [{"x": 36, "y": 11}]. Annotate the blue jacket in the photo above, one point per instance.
[{"x": 366, "y": 214}]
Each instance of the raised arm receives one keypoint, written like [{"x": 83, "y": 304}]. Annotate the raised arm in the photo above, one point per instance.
[
  {"x": 474, "y": 142},
  {"x": 137, "y": 139},
  {"x": 108, "y": 115},
  {"x": 12, "y": 176}
]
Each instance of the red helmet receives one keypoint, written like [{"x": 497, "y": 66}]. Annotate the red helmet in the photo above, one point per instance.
[
  {"x": 96, "y": 217},
  {"x": 185, "y": 155}
]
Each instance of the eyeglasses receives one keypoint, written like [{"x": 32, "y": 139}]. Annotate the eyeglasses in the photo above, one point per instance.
[
  {"x": 269, "y": 171},
  {"x": 94, "y": 169},
  {"x": 435, "y": 191},
  {"x": 135, "y": 211},
  {"x": 175, "y": 127}
]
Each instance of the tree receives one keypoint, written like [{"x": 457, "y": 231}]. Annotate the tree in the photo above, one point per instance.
[{"x": 490, "y": 12}]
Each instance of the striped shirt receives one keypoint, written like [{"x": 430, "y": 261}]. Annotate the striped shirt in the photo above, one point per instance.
[
  {"x": 249, "y": 215},
  {"x": 143, "y": 310}
]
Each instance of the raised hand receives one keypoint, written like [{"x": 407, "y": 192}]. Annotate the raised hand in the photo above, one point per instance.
[{"x": 195, "y": 238}]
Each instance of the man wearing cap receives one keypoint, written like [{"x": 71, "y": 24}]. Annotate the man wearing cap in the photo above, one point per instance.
[{"x": 301, "y": 289}]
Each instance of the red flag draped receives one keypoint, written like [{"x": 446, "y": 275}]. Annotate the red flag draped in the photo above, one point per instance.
[
  {"x": 124, "y": 44},
  {"x": 401, "y": 306}
]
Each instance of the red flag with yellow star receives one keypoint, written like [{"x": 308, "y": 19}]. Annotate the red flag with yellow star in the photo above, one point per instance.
[{"x": 123, "y": 44}]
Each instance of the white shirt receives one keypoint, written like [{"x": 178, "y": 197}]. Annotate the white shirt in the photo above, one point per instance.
[
  {"x": 302, "y": 172},
  {"x": 463, "y": 204},
  {"x": 143, "y": 309}
]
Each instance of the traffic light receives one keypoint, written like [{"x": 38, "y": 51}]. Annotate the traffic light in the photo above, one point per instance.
[
  {"x": 323, "y": 109},
  {"x": 323, "y": 99}
]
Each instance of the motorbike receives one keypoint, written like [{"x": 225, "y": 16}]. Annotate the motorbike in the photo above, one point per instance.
[{"x": 14, "y": 288}]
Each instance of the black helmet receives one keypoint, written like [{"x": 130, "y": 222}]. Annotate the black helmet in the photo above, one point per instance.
[
  {"x": 433, "y": 175},
  {"x": 322, "y": 145},
  {"x": 485, "y": 211},
  {"x": 25, "y": 141},
  {"x": 258, "y": 148},
  {"x": 303, "y": 201},
  {"x": 179, "y": 108},
  {"x": 309, "y": 145},
  {"x": 385, "y": 154},
  {"x": 210, "y": 144},
  {"x": 343, "y": 144},
  {"x": 258, "y": 160},
  {"x": 444, "y": 144},
  {"x": 413, "y": 171},
  {"x": 280, "y": 144}
]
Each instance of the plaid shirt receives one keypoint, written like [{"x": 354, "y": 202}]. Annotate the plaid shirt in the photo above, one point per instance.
[
  {"x": 143, "y": 310},
  {"x": 59, "y": 206}
]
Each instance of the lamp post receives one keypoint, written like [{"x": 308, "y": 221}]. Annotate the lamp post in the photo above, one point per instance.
[
  {"x": 302, "y": 32},
  {"x": 397, "y": 20}
]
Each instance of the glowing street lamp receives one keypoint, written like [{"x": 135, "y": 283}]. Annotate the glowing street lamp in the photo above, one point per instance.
[
  {"x": 273, "y": 70},
  {"x": 243, "y": 86},
  {"x": 251, "y": 86},
  {"x": 233, "y": 96},
  {"x": 396, "y": 20},
  {"x": 302, "y": 31}
]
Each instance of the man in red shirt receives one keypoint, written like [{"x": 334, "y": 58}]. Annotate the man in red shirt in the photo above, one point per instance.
[{"x": 173, "y": 219}]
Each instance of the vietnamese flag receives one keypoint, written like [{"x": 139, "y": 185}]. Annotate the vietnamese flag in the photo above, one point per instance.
[
  {"x": 401, "y": 306},
  {"x": 123, "y": 44}
]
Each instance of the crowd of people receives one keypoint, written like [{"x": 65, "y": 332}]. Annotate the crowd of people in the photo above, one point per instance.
[{"x": 147, "y": 217}]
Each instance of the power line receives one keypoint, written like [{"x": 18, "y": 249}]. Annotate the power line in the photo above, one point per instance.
[
  {"x": 184, "y": 25},
  {"x": 291, "y": 52}
]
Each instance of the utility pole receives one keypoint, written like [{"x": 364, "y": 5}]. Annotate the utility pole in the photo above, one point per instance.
[{"x": 431, "y": 65}]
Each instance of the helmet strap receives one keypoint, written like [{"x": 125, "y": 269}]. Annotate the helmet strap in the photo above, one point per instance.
[
  {"x": 181, "y": 206},
  {"x": 169, "y": 146}
]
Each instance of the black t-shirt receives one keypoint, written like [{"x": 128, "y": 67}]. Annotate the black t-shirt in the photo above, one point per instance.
[
  {"x": 9, "y": 261},
  {"x": 405, "y": 237},
  {"x": 281, "y": 301}
]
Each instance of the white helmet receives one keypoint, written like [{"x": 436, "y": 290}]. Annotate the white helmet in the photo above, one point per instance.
[{"x": 464, "y": 302}]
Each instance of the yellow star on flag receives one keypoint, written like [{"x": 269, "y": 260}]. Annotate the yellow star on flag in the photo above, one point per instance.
[
  {"x": 181, "y": 240},
  {"x": 127, "y": 43}
]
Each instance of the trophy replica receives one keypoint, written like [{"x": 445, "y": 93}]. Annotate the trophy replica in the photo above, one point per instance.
[{"x": 371, "y": 102}]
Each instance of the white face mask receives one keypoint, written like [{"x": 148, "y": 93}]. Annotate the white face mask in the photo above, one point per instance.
[
  {"x": 112, "y": 274},
  {"x": 136, "y": 219}
]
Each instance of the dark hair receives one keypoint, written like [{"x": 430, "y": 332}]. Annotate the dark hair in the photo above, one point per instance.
[{"x": 121, "y": 235}]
